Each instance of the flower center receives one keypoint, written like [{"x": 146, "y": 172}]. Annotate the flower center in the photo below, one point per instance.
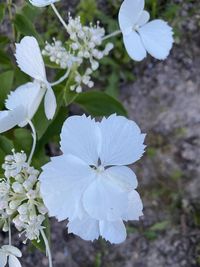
[
  {"x": 136, "y": 27},
  {"x": 100, "y": 169}
]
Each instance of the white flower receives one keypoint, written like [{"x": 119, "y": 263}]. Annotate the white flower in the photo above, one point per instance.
[
  {"x": 22, "y": 105},
  {"x": 30, "y": 61},
  {"x": 10, "y": 254},
  {"x": 141, "y": 36},
  {"x": 88, "y": 184},
  {"x": 42, "y": 3},
  {"x": 20, "y": 197}
]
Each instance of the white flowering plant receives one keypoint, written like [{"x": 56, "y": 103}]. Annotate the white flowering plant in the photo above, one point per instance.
[{"x": 89, "y": 184}]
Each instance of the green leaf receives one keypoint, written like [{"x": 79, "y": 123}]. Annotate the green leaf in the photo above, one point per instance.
[
  {"x": 6, "y": 146},
  {"x": 40, "y": 158},
  {"x": 160, "y": 226},
  {"x": 2, "y": 11},
  {"x": 23, "y": 140},
  {"x": 4, "y": 40},
  {"x": 6, "y": 79},
  {"x": 151, "y": 235},
  {"x": 24, "y": 26},
  {"x": 113, "y": 85},
  {"x": 5, "y": 60},
  {"x": 31, "y": 12},
  {"x": 99, "y": 104}
]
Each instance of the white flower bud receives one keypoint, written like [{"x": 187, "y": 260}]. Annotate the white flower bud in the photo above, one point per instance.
[
  {"x": 23, "y": 217},
  {"x": 75, "y": 46},
  {"x": 9, "y": 158},
  {"x": 17, "y": 187},
  {"x": 79, "y": 89},
  {"x": 90, "y": 84},
  {"x": 14, "y": 204},
  {"x": 23, "y": 209},
  {"x": 5, "y": 227},
  {"x": 27, "y": 185},
  {"x": 19, "y": 178},
  {"x": 10, "y": 211}
]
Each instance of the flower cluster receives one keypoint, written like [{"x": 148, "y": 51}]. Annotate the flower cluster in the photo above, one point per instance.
[
  {"x": 20, "y": 197},
  {"x": 83, "y": 48},
  {"x": 58, "y": 54}
]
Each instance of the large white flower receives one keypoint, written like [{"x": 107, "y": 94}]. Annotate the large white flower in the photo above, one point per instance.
[
  {"x": 42, "y": 3},
  {"x": 30, "y": 61},
  {"x": 88, "y": 184},
  {"x": 141, "y": 36},
  {"x": 10, "y": 254},
  {"x": 22, "y": 105}
]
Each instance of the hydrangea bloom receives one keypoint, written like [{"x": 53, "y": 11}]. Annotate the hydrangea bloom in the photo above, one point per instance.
[
  {"x": 89, "y": 183},
  {"x": 42, "y": 3},
  {"x": 30, "y": 61},
  {"x": 141, "y": 36},
  {"x": 22, "y": 104},
  {"x": 10, "y": 254},
  {"x": 20, "y": 197}
]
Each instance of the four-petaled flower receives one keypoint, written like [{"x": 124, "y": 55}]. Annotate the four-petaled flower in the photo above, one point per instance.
[
  {"x": 141, "y": 36},
  {"x": 42, "y": 3},
  {"x": 30, "y": 61},
  {"x": 10, "y": 254},
  {"x": 89, "y": 183}
]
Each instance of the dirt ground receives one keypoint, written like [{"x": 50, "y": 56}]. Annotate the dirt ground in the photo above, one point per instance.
[{"x": 165, "y": 102}]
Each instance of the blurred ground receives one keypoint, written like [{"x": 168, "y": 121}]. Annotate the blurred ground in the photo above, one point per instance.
[{"x": 165, "y": 102}]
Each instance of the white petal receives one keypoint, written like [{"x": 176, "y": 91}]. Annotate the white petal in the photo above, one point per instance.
[
  {"x": 104, "y": 200},
  {"x": 87, "y": 228},
  {"x": 123, "y": 177},
  {"x": 63, "y": 182},
  {"x": 157, "y": 37},
  {"x": 13, "y": 261},
  {"x": 134, "y": 46},
  {"x": 50, "y": 103},
  {"x": 29, "y": 58},
  {"x": 144, "y": 18},
  {"x": 29, "y": 96},
  {"x": 135, "y": 207},
  {"x": 3, "y": 259},
  {"x": 80, "y": 137},
  {"x": 129, "y": 13},
  {"x": 42, "y": 3},
  {"x": 115, "y": 231},
  {"x": 122, "y": 141},
  {"x": 11, "y": 118},
  {"x": 12, "y": 250}
]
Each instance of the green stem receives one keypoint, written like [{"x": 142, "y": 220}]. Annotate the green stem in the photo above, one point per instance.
[
  {"x": 9, "y": 232},
  {"x": 62, "y": 78},
  {"x": 47, "y": 248},
  {"x": 112, "y": 35},
  {"x": 34, "y": 141},
  {"x": 59, "y": 16}
]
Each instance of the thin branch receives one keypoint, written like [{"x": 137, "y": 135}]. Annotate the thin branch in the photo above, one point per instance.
[
  {"x": 47, "y": 248},
  {"x": 34, "y": 141},
  {"x": 112, "y": 35},
  {"x": 59, "y": 16},
  {"x": 62, "y": 78}
]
